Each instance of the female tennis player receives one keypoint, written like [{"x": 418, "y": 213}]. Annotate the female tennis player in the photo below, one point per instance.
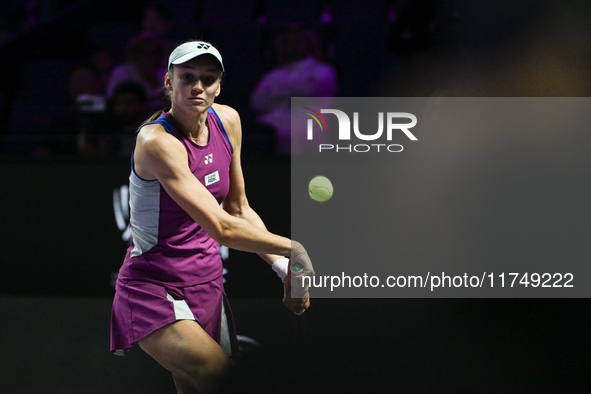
[{"x": 185, "y": 163}]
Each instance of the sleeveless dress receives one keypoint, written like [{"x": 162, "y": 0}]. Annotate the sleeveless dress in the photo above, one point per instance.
[{"x": 173, "y": 269}]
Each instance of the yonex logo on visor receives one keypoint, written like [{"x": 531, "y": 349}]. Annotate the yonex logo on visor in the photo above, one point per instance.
[{"x": 189, "y": 50}]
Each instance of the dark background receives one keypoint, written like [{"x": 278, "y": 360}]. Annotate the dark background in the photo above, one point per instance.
[
  {"x": 60, "y": 243},
  {"x": 60, "y": 236}
]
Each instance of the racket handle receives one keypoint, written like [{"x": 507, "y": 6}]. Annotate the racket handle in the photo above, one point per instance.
[{"x": 297, "y": 269}]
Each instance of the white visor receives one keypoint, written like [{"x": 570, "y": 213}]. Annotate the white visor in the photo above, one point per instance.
[{"x": 189, "y": 50}]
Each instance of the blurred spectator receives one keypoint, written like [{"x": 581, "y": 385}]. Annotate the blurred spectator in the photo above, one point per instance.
[
  {"x": 301, "y": 73},
  {"x": 102, "y": 61},
  {"x": 143, "y": 66},
  {"x": 20, "y": 19},
  {"x": 156, "y": 24},
  {"x": 80, "y": 126},
  {"x": 129, "y": 108},
  {"x": 33, "y": 11}
]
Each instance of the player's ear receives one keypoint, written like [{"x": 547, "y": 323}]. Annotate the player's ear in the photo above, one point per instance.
[
  {"x": 217, "y": 92},
  {"x": 168, "y": 81}
]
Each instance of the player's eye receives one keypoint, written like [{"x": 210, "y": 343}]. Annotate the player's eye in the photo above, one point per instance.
[{"x": 208, "y": 80}]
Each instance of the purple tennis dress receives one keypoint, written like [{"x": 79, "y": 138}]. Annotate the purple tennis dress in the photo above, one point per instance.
[{"x": 173, "y": 268}]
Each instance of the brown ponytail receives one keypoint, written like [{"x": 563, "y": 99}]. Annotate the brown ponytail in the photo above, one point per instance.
[{"x": 152, "y": 118}]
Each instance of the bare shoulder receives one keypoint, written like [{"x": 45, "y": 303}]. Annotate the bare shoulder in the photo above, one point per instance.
[
  {"x": 155, "y": 150},
  {"x": 154, "y": 136},
  {"x": 227, "y": 114},
  {"x": 231, "y": 121}
]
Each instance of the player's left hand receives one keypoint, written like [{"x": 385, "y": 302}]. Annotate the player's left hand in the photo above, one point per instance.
[{"x": 296, "y": 305}]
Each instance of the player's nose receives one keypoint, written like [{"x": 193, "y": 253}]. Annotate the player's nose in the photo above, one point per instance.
[{"x": 197, "y": 86}]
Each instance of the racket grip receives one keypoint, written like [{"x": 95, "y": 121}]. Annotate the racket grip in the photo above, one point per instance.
[{"x": 297, "y": 269}]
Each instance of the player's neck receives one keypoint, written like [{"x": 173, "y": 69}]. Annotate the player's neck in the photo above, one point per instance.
[{"x": 194, "y": 125}]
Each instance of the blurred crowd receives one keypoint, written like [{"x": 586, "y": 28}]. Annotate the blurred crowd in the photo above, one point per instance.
[
  {"x": 108, "y": 101},
  {"x": 403, "y": 48}
]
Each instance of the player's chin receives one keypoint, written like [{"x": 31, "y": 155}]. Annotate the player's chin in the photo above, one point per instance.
[{"x": 198, "y": 106}]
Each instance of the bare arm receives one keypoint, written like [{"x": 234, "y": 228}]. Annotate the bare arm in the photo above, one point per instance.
[
  {"x": 161, "y": 156},
  {"x": 236, "y": 203},
  {"x": 297, "y": 298}
]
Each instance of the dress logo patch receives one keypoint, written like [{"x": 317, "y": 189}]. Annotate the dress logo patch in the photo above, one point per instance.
[{"x": 212, "y": 178}]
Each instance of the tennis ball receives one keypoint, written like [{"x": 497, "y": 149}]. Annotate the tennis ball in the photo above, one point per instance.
[{"x": 320, "y": 188}]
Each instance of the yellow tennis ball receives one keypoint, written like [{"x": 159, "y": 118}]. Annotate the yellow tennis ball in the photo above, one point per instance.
[{"x": 320, "y": 188}]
